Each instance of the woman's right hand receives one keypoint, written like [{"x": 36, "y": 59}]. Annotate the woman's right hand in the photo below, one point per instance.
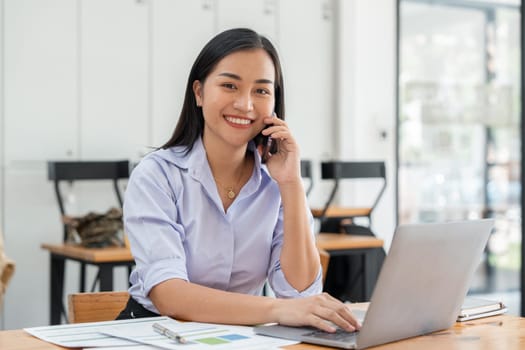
[{"x": 321, "y": 311}]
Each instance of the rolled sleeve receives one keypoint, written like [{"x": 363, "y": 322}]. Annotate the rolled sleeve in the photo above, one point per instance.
[
  {"x": 150, "y": 218},
  {"x": 161, "y": 271},
  {"x": 283, "y": 289}
]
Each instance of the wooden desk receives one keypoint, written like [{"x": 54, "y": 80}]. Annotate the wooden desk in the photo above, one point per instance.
[
  {"x": 105, "y": 258},
  {"x": 337, "y": 244},
  {"x": 499, "y": 332}
]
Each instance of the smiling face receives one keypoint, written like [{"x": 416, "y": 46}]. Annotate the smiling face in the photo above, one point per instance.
[{"x": 235, "y": 97}]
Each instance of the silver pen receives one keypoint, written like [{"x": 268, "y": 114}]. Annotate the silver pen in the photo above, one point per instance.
[{"x": 169, "y": 333}]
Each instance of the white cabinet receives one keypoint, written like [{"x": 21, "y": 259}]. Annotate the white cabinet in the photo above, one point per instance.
[
  {"x": 259, "y": 15},
  {"x": 105, "y": 79},
  {"x": 114, "y": 83},
  {"x": 40, "y": 85},
  {"x": 180, "y": 29}
]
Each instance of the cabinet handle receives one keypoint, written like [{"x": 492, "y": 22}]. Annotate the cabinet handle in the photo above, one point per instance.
[
  {"x": 269, "y": 7},
  {"x": 207, "y": 4},
  {"x": 326, "y": 10}
]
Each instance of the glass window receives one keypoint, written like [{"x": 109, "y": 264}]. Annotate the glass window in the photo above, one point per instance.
[{"x": 459, "y": 123}]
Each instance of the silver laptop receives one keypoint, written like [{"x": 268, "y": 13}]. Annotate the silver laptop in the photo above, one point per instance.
[{"x": 420, "y": 288}]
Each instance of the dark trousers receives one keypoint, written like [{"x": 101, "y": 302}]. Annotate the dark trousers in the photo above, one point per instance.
[{"x": 134, "y": 309}]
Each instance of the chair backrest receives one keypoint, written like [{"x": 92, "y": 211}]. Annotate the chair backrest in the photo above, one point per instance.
[
  {"x": 70, "y": 171},
  {"x": 94, "y": 307},
  {"x": 306, "y": 173},
  {"x": 337, "y": 170},
  {"x": 325, "y": 260}
]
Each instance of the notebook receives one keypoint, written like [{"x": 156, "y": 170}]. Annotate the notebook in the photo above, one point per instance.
[
  {"x": 474, "y": 308},
  {"x": 420, "y": 289}
]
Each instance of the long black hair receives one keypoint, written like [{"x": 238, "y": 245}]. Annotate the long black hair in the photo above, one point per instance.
[{"x": 191, "y": 121}]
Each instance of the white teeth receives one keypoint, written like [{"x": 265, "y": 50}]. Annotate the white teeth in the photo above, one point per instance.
[{"x": 240, "y": 121}]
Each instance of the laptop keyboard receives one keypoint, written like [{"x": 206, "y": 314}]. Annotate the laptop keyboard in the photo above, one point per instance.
[{"x": 339, "y": 335}]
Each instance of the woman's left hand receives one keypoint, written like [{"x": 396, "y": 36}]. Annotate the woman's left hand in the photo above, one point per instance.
[{"x": 284, "y": 166}]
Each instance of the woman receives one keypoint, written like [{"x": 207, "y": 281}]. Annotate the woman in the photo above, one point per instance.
[{"x": 208, "y": 223}]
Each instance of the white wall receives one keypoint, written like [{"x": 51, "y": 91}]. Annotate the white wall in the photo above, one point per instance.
[
  {"x": 339, "y": 63},
  {"x": 366, "y": 45}
]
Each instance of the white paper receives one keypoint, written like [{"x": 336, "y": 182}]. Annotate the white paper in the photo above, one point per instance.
[
  {"x": 79, "y": 335},
  {"x": 136, "y": 346},
  {"x": 199, "y": 336}
]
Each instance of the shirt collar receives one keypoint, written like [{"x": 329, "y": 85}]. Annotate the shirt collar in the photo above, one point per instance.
[{"x": 196, "y": 163}]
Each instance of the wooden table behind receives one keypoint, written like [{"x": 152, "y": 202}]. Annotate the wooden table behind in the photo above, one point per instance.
[
  {"x": 104, "y": 258},
  {"x": 341, "y": 241}
]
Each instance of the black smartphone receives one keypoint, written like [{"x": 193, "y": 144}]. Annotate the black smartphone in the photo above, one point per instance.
[{"x": 269, "y": 145}]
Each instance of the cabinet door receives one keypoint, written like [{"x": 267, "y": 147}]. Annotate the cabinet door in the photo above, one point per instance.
[
  {"x": 180, "y": 29},
  {"x": 32, "y": 217},
  {"x": 40, "y": 85},
  {"x": 114, "y": 78},
  {"x": 306, "y": 45},
  {"x": 259, "y": 15}
]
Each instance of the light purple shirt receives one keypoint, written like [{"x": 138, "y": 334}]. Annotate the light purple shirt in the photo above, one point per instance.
[{"x": 177, "y": 228}]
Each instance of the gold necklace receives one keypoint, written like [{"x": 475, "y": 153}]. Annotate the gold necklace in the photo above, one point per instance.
[{"x": 230, "y": 190}]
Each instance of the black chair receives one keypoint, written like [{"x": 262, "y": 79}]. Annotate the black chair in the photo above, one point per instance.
[
  {"x": 345, "y": 275},
  {"x": 339, "y": 170},
  {"x": 71, "y": 171},
  {"x": 306, "y": 173}
]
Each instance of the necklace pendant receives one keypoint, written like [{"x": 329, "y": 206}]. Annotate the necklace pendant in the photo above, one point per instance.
[{"x": 231, "y": 194}]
